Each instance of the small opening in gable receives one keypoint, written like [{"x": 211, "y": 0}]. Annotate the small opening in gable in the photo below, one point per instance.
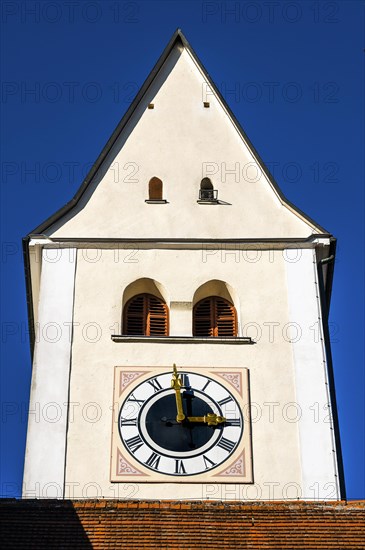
[
  {"x": 155, "y": 189},
  {"x": 207, "y": 191}
]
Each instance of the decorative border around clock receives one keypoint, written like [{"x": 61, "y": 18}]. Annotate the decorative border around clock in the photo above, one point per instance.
[{"x": 237, "y": 469}]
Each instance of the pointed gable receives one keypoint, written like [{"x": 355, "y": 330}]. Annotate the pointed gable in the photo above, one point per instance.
[{"x": 179, "y": 130}]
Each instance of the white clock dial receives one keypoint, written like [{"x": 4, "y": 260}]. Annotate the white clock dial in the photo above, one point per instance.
[{"x": 150, "y": 432}]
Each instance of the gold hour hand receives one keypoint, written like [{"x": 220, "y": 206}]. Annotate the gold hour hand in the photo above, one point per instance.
[
  {"x": 176, "y": 385},
  {"x": 211, "y": 419}
]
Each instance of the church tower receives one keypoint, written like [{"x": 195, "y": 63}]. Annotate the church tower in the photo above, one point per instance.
[{"x": 179, "y": 308}]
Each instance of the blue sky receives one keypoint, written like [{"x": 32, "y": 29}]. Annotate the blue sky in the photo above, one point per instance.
[{"x": 292, "y": 72}]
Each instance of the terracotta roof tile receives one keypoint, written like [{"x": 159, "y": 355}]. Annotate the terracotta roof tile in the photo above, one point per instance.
[{"x": 101, "y": 524}]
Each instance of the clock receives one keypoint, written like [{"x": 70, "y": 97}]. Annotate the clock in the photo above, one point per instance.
[{"x": 181, "y": 425}]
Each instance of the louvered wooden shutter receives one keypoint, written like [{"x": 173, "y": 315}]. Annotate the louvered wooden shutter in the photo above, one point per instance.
[
  {"x": 203, "y": 322},
  {"x": 145, "y": 315},
  {"x": 226, "y": 318},
  {"x": 156, "y": 317},
  {"x": 214, "y": 316},
  {"x": 134, "y": 316}
]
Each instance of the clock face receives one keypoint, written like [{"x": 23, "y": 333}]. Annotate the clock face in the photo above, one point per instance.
[{"x": 152, "y": 437}]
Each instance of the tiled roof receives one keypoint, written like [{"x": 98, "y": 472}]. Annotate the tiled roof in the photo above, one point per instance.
[{"x": 66, "y": 524}]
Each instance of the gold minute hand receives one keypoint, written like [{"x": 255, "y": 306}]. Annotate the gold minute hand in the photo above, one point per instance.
[
  {"x": 176, "y": 385},
  {"x": 211, "y": 419}
]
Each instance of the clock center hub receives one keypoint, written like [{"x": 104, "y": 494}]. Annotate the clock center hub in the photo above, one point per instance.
[{"x": 163, "y": 429}]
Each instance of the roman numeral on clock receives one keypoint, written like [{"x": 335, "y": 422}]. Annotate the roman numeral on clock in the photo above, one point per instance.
[
  {"x": 185, "y": 380},
  {"x": 134, "y": 400},
  {"x": 134, "y": 443},
  {"x": 155, "y": 384},
  {"x": 208, "y": 463},
  {"x": 206, "y": 385},
  {"x": 179, "y": 467},
  {"x": 233, "y": 422},
  {"x": 153, "y": 461},
  {"x": 128, "y": 421},
  {"x": 226, "y": 444},
  {"x": 225, "y": 401}
]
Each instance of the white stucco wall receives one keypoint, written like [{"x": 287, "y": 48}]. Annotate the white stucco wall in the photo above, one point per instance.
[
  {"x": 47, "y": 424},
  {"x": 281, "y": 466},
  {"x": 316, "y": 436}
]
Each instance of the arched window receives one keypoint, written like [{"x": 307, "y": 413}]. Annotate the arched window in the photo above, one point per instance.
[
  {"x": 155, "y": 189},
  {"x": 207, "y": 191},
  {"x": 145, "y": 315},
  {"x": 214, "y": 316}
]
